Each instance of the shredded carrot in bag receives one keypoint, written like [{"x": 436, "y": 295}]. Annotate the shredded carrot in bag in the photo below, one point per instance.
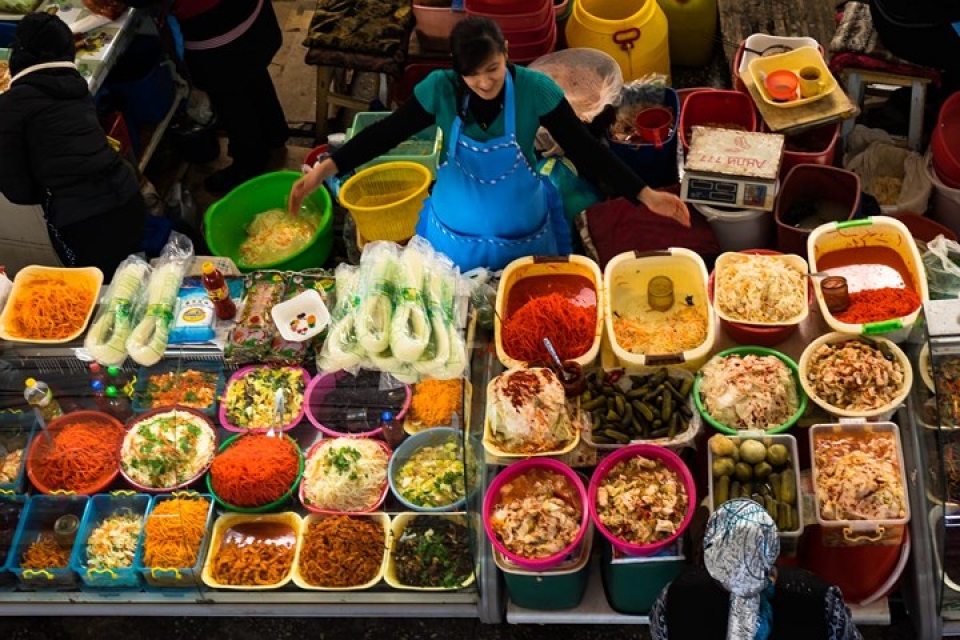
[
  {"x": 570, "y": 327},
  {"x": 174, "y": 533},
  {"x": 255, "y": 470}
]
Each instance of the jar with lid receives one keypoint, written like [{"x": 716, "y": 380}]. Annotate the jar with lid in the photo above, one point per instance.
[{"x": 660, "y": 293}]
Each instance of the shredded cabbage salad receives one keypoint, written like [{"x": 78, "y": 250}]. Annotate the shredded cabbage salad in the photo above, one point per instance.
[
  {"x": 433, "y": 476},
  {"x": 113, "y": 544},
  {"x": 347, "y": 474},
  {"x": 749, "y": 392}
]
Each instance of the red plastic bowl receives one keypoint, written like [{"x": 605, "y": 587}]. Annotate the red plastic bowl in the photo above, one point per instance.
[
  {"x": 672, "y": 461},
  {"x": 493, "y": 494},
  {"x": 315, "y": 450},
  {"x": 56, "y": 425},
  {"x": 149, "y": 414},
  {"x": 758, "y": 335}
]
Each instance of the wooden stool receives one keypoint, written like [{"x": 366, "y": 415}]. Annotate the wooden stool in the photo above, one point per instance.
[{"x": 857, "y": 81}]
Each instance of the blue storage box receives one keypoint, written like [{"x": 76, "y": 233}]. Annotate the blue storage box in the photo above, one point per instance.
[
  {"x": 37, "y": 521},
  {"x": 11, "y": 510},
  {"x": 16, "y": 432},
  {"x": 658, "y": 167},
  {"x": 102, "y": 507},
  {"x": 139, "y": 402},
  {"x": 178, "y": 579}
]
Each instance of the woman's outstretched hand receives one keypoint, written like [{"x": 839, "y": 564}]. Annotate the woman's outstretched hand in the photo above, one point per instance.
[
  {"x": 666, "y": 205},
  {"x": 310, "y": 183}
]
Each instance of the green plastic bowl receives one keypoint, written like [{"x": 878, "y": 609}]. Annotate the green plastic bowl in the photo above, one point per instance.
[
  {"x": 756, "y": 351},
  {"x": 264, "y": 508},
  {"x": 227, "y": 219}
]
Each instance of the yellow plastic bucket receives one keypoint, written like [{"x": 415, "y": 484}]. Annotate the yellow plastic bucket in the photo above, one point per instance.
[
  {"x": 693, "y": 25},
  {"x": 632, "y": 32}
]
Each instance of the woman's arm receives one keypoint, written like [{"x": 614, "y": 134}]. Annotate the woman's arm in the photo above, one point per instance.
[
  {"x": 374, "y": 141},
  {"x": 596, "y": 162}
]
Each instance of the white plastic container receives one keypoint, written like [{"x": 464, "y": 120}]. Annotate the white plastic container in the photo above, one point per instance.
[
  {"x": 860, "y": 532},
  {"x": 779, "y": 438},
  {"x": 397, "y": 527},
  {"x": 881, "y": 413},
  {"x": 763, "y": 42},
  {"x": 625, "y": 282},
  {"x": 229, "y": 520},
  {"x": 878, "y": 231},
  {"x": 739, "y": 229},
  {"x": 301, "y": 317}
]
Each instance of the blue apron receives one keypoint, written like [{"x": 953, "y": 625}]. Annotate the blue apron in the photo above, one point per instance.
[{"x": 489, "y": 207}]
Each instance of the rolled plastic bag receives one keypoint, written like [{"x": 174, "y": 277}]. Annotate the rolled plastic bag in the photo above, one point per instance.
[
  {"x": 341, "y": 350},
  {"x": 410, "y": 328},
  {"x": 378, "y": 270},
  {"x": 148, "y": 340},
  {"x": 121, "y": 310}
]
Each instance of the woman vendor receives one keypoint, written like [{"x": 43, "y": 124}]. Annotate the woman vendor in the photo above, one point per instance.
[
  {"x": 489, "y": 206},
  {"x": 53, "y": 152}
]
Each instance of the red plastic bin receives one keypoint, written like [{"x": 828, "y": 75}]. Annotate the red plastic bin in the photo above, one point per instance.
[
  {"x": 528, "y": 52},
  {"x": 721, "y": 108},
  {"x": 526, "y": 16},
  {"x": 518, "y": 37},
  {"x": 813, "y": 182},
  {"x": 816, "y": 146},
  {"x": 945, "y": 142},
  {"x": 413, "y": 73}
]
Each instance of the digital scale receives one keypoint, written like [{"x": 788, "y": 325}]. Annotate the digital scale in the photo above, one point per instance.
[{"x": 732, "y": 168}]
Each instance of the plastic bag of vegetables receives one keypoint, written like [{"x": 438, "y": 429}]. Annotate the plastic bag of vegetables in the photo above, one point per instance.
[
  {"x": 148, "y": 340},
  {"x": 122, "y": 308},
  {"x": 341, "y": 350}
]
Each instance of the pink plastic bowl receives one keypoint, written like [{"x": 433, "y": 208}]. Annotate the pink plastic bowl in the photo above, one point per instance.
[
  {"x": 493, "y": 494},
  {"x": 315, "y": 450},
  {"x": 652, "y": 452},
  {"x": 317, "y": 391},
  {"x": 244, "y": 371}
]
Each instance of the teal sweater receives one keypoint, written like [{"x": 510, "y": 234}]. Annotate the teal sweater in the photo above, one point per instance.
[{"x": 535, "y": 95}]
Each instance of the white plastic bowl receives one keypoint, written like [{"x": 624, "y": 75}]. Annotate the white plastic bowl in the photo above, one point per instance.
[{"x": 291, "y": 316}]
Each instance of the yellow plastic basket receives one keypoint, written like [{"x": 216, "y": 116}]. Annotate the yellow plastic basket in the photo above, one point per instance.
[{"x": 385, "y": 200}]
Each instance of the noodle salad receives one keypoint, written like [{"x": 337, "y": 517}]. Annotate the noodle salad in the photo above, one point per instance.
[
  {"x": 275, "y": 235},
  {"x": 345, "y": 474}
]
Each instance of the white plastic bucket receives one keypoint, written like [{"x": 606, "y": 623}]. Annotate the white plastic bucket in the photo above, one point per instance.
[
  {"x": 945, "y": 202},
  {"x": 739, "y": 229}
]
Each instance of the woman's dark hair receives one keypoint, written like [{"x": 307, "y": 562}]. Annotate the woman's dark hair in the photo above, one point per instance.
[{"x": 473, "y": 42}]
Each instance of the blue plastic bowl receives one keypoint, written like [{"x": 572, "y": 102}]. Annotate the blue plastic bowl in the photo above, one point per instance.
[{"x": 428, "y": 438}]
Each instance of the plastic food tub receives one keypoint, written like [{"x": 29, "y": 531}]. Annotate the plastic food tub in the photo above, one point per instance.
[
  {"x": 16, "y": 432},
  {"x": 229, "y": 426},
  {"x": 55, "y": 426},
  {"x": 434, "y": 437},
  {"x": 552, "y": 590},
  {"x": 492, "y": 499},
  {"x": 816, "y": 146},
  {"x": 820, "y": 186},
  {"x": 721, "y": 109},
  {"x": 879, "y": 231},
  {"x": 886, "y": 411},
  {"x": 321, "y": 386},
  {"x": 178, "y": 578},
  {"x": 397, "y": 528},
  {"x": 434, "y": 25},
  {"x": 756, "y": 351},
  {"x": 412, "y": 427},
  {"x": 633, "y": 584},
  {"x": 626, "y": 279},
  {"x": 87, "y": 278},
  {"x": 227, "y": 219},
  {"x": 738, "y": 229},
  {"x": 621, "y": 378},
  {"x": 101, "y": 508},
  {"x": 494, "y": 449},
  {"x": 317, "y": 450},
  {"x": 859, "y": 532},
  {"x": 37, "y": 519},
  {"x": 545, "y": 267},
  {"x": 658, "y": 166},
  {"x": 139, "y": 402},
  {"x": 381, "y": 519},
  {"x": 14, "y": 503},
  {"x": 262, "y": 508},
  {"x": 757, "y": 334},
  {"x": 133, "y": 424},
  {"x": 285, "y": 525},
  {"x": 671, "y": 461},
  {"x": 767, "y": 439}
]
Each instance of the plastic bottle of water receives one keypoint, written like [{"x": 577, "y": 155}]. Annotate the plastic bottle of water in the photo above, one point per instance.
[{"x": 38, "y": 394}]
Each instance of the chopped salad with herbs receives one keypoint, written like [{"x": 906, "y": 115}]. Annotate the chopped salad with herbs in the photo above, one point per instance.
[
  {"x": 187, "y": 388},
  {"x": 250, "y": 399},
  {"x": 167, "y": 449},
  {"x": 433, "y": 551},
  {"x": 433, "y": 476},
  {"x": 113, "y": 544}
]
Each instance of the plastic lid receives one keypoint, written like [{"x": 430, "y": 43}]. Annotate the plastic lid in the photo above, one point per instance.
[
  {"x": 30, "y": 382},
  {"x": 386, "y": 416},
  {"x": 208, "y": 268},
  {"x": 111, "y": 391},
  {"x": 95, "y": 367},
  {"x": 113, "y": 371},
  {"x": 97, "y": 386}
]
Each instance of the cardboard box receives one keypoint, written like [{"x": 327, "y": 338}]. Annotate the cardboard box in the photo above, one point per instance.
[{"x": 732, "y": 168}]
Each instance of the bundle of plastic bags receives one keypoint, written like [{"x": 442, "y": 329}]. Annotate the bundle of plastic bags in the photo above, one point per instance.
[{"x": 398, "y": 312}]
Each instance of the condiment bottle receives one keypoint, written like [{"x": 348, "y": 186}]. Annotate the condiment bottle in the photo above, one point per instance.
[
  {"x": 393, "y": 432},
  {"x": 218, "y": 292},
  {"x": 65, "y": 530},
  {"x": 99, "y": 394},
  {"x": 660, "y": 293},
  {"x": 38, "y": 394},
  {"x": 835, "y": 294}
]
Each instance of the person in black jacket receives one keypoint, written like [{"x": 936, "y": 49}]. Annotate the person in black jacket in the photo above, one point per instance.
[
  {"x": 922, "y": 32},
  {"x": 53, "y": 152},
  {"x": 228, "y": 47}
]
